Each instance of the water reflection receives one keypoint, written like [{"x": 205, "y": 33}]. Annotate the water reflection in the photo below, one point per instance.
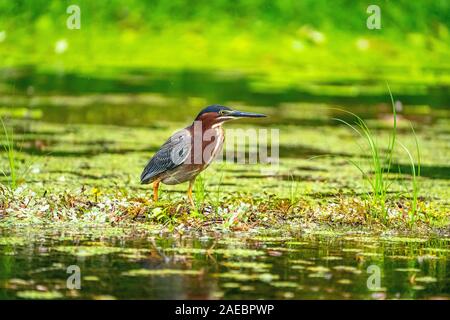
[
  {"x": 243, "y": 267},
  {"x": 139, "y": 97}
]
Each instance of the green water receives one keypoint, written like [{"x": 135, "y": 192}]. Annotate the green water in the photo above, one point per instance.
[
  {"x": 239, "y": 266},
  {"x": 130, "y": 113},
  {"x": 147, "y": 97}
]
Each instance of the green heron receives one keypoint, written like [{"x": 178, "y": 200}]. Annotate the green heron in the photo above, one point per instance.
[{"x": 190, "y": 151}]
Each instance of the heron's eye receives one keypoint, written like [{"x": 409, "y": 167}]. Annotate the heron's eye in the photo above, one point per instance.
[{"x": 221, "y": 112}]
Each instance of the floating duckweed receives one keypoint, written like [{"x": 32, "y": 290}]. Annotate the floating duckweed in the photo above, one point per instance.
[
  {"x": 19, "y": 282},
  {"x": 40, "y": 295},
  {"x": 288, "y": 295},
  {"x": 351, "y": 250},
  {"x": 320, "y": 269},
  {"x": 104, "y": 297},
  {"x": 271, "y": 239},
  {"x": 319, "y": 275},
  {"x": 365, "y": 239},
  {"x": 349, "y": 269},
  {"x": 417, "y": 287},
  {"x": 12, "y": 241},
  {"x": 266, "y": 277},
  {"x": 426, "y": 279},
  {"x": 408, "y": 270},
  {"x": 369, "y": 254},
  {"x": 331, "y": 258},
  {"x": 297, "y": 243},
  {"x": 344, "y": 281},
  {"x": 247, "y": 288},
  {"x": 86, "y": 251},
  {"x": 225, "y": 252},
  {"x": 231, "y": 285},
  {"x": 283, "y": 249},
  {"x": 160, "y": 272},
  {"x": 247, "y": 265},
  {"x": 298, "y": 267},
  {"x": 400, "y": 257},
  {"x": 284, "y": 284},
  {"x": 437, "y": 250},
  {"x": 300, "y": 261},
  {"x": 404, "y": 239}
]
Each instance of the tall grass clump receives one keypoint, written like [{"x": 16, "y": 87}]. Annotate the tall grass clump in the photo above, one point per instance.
[
  {"x": 293, "y": 190},
  {"x": 8, "y": 146},
  {"x": 199, "y": 191},
  {"x": 415, "y": 173},
  {"x": 380, "y": 162}
]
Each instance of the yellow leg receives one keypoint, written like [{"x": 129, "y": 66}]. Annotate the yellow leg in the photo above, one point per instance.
[
  {"x": 189, "y": 193},
  {"x": 155, "y": 190}
]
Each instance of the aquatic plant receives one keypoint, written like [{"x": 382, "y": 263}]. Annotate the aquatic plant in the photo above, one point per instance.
[
  {"x": 10, "y": 155},
  {"x": 293, "y": 190},
  {"x": 415, "y": 173},
  {"x": 380, "y": 164},
  {"x": 200, "y": 189}
]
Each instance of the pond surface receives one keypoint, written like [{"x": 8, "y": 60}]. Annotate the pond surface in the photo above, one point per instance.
[
  {"x": 243, "y": 266},
  {"x": 147, "y": 97},
  {"x": 238, "y": 266}
]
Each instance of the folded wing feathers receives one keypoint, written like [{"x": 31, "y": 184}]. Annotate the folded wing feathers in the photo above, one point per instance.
[{"x": 171, "y": 154}]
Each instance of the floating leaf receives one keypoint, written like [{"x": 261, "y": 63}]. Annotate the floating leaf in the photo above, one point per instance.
[
  {"x": 349, "y": 269},
  {"x": 331, "y": 258},
  {"x": 426, "y": 279},
  {"x": 408, "y": 270},
  {"x": 12, "y": 241},
  {"x": 247, "y": 265},
  {"x": 284, "y": 284},
  {"x": 225, "y": 252},
  {"x": 40, "y": 295},
  {"x": 320, "y": 269},
  {"x": 160, "y": 272},
  {"x": 300, "y": 261}
]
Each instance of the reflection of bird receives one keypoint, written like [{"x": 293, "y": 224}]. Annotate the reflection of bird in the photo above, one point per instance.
[{"x": 189, "y": 151}]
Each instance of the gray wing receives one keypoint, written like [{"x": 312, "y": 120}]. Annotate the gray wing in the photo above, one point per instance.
[{"x": 171, "y": 154}]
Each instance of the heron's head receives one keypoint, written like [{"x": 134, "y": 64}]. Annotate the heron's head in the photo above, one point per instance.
[{"x": 218, "y": 114}]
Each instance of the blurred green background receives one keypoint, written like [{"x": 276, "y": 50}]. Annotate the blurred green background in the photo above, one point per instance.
[{"x": 289, "y": 41}]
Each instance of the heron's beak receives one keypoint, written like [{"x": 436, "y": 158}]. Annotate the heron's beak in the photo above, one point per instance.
[{"x": 242, "y": 114}]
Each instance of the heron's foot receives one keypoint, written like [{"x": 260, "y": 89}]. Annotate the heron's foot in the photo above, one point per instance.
[
  {"x": 155, "y": 190},
  {"x": 189, "y": 193}
]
